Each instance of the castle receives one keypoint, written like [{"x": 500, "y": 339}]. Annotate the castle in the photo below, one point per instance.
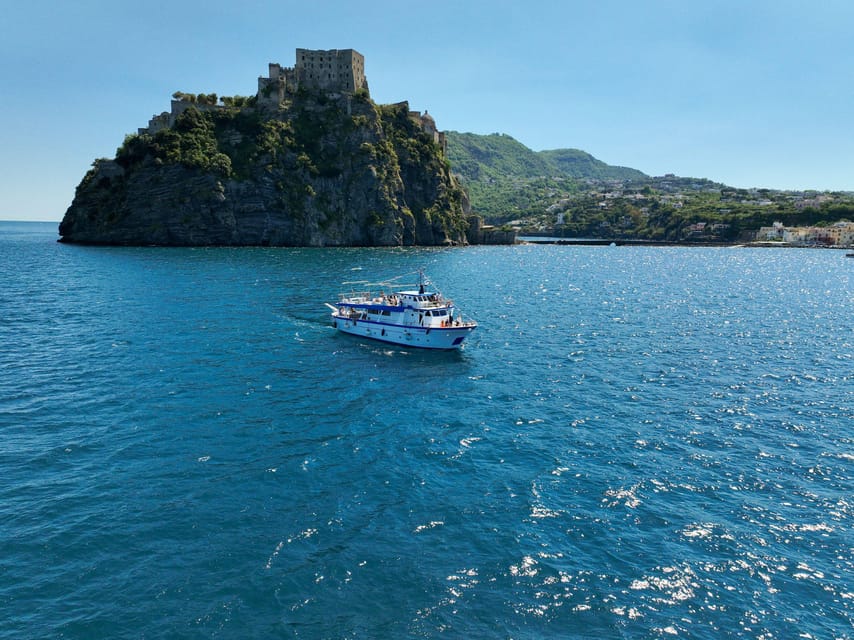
[{"x": 333, "y": 71}]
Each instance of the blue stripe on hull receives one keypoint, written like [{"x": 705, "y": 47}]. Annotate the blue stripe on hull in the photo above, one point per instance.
[{"x": 432, "y": 338}]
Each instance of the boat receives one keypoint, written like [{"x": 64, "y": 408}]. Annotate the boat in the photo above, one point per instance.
[{"x": 415, "y": 316}]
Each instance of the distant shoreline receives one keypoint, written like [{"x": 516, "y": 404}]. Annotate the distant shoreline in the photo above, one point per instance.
[
  {"x": 668, "y": 243},
  {"x": 528, "y": 239}
]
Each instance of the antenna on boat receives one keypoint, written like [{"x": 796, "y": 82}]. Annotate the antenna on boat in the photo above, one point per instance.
[{"x": 421, "y": 281}]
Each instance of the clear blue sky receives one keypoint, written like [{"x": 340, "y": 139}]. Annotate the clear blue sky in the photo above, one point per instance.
[{"x": 752, "y": 93}]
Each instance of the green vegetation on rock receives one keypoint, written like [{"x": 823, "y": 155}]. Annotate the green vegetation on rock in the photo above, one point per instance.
[{"x": 319, "y": 170}]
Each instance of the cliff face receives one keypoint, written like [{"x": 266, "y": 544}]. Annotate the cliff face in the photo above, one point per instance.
[{"x": 317, "y": 172}]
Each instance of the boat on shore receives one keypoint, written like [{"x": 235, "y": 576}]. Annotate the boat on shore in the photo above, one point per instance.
[{"x": 413, "y": 316}]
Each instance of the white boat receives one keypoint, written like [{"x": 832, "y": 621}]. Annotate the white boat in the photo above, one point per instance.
[{"x": 419, "y": 316}]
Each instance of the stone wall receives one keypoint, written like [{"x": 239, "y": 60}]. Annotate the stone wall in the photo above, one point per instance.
[
  {"x": 330, "y": 70},
  {"x": 157, "y": 123},
  {"x": 479, "y": 233},
  {"x": 167, "y": 118},
  {"x": 333, "y": 71}
]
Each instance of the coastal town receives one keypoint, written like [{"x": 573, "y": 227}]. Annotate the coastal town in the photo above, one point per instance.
[
  {"x": 705, "y": 211},
  {"x": 840, "y": 234},
  {"x": 568, "y": 193},
  {"x": 685, "y": 210}
]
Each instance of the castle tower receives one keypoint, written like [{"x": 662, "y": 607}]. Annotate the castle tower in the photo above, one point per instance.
[
  {"x": 336, "y": 70},
  {"x": 272, "y": 89},
  {"x": 332, "y": 70}
]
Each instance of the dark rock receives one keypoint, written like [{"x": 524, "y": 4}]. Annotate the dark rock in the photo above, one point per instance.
[{"x": 318, "y": 171}]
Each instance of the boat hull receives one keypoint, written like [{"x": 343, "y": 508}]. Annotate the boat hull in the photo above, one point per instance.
[{"x": 445, "y": 338}]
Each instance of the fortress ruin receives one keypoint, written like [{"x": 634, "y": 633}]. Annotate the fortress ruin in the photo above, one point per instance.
[{"x": 332, "y": 71}]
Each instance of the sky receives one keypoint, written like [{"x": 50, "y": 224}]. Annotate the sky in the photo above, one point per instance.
[{"x": 751, "y": 93}]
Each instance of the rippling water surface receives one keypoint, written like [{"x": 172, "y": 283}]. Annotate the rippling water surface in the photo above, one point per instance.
[{"x": 635, "y": 443}]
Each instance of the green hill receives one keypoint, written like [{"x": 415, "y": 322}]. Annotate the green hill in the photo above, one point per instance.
[
  {"x": 507, "y": 180},
  {"x": 477, "y": 157},
  {"x": 570, "y": 193},
  {"x": 580, "y": 164}
]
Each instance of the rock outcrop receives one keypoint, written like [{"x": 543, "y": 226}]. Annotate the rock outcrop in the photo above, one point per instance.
[{"x": 319, "y": 170}]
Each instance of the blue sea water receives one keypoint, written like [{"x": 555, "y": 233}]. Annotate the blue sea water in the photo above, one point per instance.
[{"x": 637, "y": 442}]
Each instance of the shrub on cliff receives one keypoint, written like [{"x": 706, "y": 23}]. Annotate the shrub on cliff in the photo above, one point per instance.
[{"x": 191, "y": 142}]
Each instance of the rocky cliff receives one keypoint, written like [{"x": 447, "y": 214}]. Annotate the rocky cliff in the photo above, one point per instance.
[{"x": 317, "y": 171}]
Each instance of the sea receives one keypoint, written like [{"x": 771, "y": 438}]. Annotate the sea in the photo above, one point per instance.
[{"x": 636, "y": 442}]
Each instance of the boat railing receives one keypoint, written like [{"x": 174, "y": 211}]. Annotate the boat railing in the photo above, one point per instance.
[
  {"x": 367, "y": 297},
  {"x": 458, "y": 323},
  {"x": 355, "y": 296},
  {"x": 393, "y": 300},
  {"x": 439, "y": 303}
]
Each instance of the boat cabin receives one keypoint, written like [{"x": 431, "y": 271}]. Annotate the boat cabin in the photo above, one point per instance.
[{"x": 422, "y": 300}]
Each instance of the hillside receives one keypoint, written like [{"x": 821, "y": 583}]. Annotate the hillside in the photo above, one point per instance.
[
  {"x": 315, "y": 170},
  {"x": 580, "y": 164},
  {"x": 507, "y": 180},
  {"x": 493, "y": 157},
  {"x": 567, "y": 192}
]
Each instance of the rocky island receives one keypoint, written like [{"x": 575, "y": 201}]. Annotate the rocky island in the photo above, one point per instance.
[{"x": 310, "y": 160}]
